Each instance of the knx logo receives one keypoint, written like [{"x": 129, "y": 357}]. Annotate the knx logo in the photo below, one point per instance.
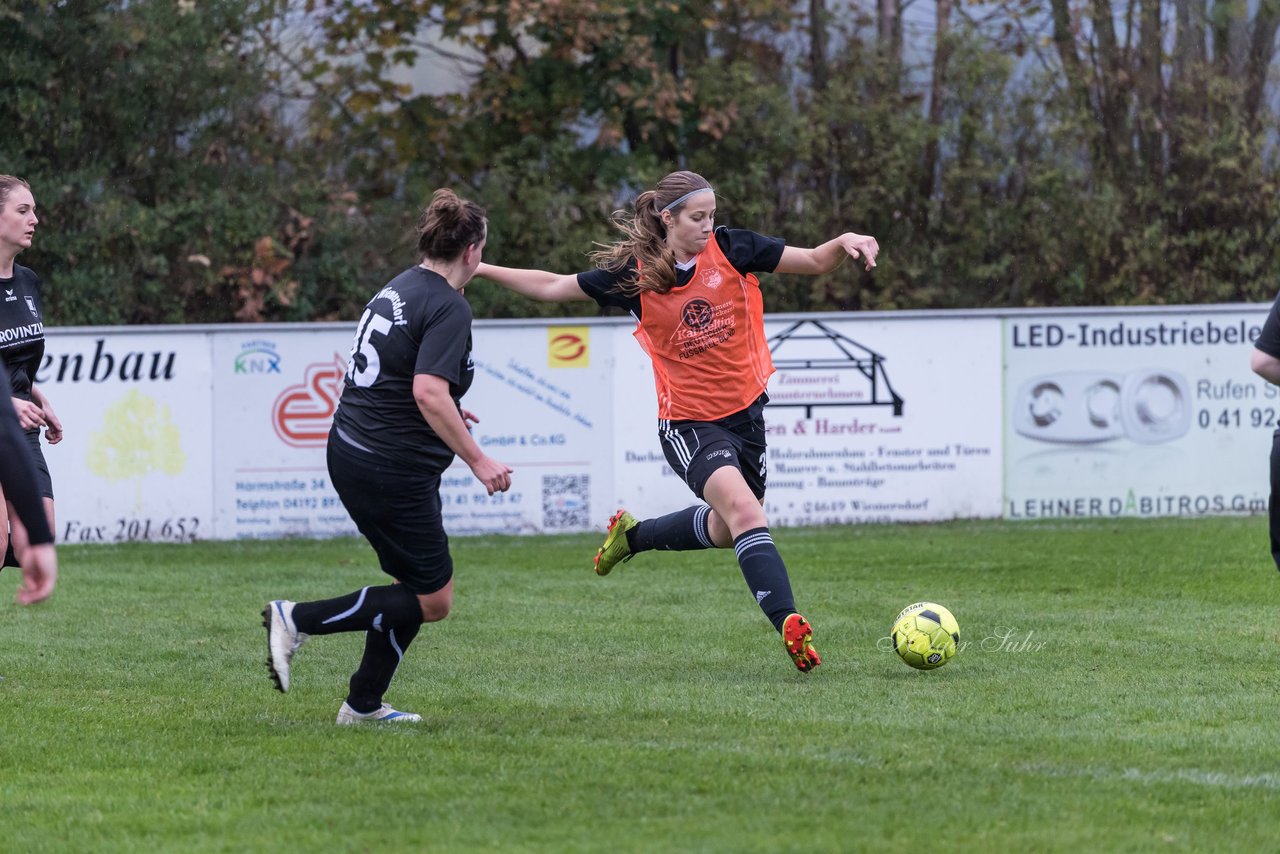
[{"x": 258, "y": 357}]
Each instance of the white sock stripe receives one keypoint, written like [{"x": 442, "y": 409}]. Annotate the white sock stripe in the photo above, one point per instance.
[
  {"x": 349, "y": 611},
  {"x": 700, "y": 528},
  {"x": 752, "y": 541},
  {"x": 391, "y": 635}
]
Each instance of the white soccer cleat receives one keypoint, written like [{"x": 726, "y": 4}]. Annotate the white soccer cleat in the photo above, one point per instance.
[
  {"x": 283, "y": 640},
  {"x": 385, "y": 714}
]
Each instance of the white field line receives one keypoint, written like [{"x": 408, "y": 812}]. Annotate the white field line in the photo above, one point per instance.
[{"x": 1195, "y": 776}]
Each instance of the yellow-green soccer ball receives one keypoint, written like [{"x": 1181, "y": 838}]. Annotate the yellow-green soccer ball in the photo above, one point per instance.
[{"x": 925, "y": 635}]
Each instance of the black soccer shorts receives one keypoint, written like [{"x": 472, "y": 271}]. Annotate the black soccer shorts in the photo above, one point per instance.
[
  {"x": 695, "y": 449},
  {"x": 398, "y": 510}
]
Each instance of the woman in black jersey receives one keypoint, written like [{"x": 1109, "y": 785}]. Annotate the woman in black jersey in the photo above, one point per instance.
[
  {"x": 699, "y": 316},
  {"x": 22, "y": 348},
  {"x": 1265, "y": 362},
  {"x": 397, "y": 427}
]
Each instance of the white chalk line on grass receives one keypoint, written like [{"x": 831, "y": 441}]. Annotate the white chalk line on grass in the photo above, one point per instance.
[
  {"x": 1102, "y": 774},
  {"x": 1195, "y": 776}
]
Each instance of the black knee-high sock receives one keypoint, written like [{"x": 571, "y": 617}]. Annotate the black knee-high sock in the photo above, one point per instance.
[
  {"x": 368, "y": 608},
  {"x": 682, "y": 531},
  {"x": 383, "y": 651},
  {"x": 766, "y": 574}
]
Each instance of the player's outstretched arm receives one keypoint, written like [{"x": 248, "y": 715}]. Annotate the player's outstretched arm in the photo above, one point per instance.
[
  {"x": 828, "y": 256},
  {"x": 535, "y": 284}
]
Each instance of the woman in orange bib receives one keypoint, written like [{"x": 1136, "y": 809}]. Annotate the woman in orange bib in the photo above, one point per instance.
[{"x": 699, "y": 316}]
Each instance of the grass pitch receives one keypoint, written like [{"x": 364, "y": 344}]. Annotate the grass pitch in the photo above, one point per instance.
[{"x": 1116, "y": 690}]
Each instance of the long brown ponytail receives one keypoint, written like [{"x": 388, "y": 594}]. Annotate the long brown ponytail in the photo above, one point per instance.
[{"x": 645, "y": 236}]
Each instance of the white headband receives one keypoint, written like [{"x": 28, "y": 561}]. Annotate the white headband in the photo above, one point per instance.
[{"x": 685, "y": 196}]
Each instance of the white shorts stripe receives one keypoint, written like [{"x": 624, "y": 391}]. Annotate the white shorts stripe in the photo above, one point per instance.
[{"x": 678, "y": 446}]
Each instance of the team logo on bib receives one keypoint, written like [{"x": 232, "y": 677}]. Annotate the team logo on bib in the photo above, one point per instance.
[
  {"x": 31, "y": 304},
  {"x": 696, "y": 313}
]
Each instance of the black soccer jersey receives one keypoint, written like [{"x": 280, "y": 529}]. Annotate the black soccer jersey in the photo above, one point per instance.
[
  {"x": 417, "y": 324},
  {"x": 747, "y": 251},
  {"x": 21, "y": 328},
  {"x": 1269, "y": 341}
]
